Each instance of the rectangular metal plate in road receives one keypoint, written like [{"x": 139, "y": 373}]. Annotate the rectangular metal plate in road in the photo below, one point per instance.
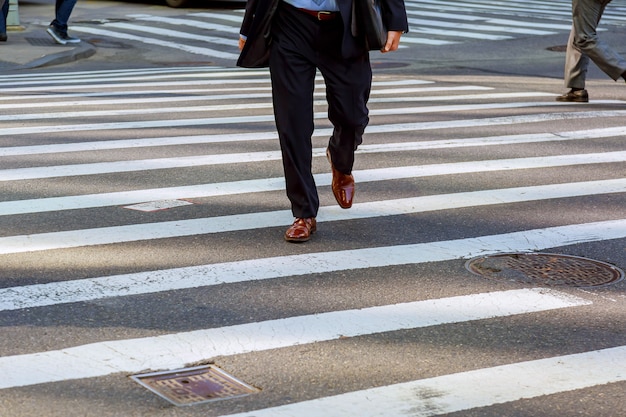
[{"x": 194, "y": 385}]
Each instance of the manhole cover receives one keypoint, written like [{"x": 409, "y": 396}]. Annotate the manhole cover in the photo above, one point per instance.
[
  {"x": 545, "y": 269},
  {"x": 194, "y": 385}
]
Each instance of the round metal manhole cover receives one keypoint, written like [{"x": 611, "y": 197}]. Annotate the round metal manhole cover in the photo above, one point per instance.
[{"x": 545, "y": 269}]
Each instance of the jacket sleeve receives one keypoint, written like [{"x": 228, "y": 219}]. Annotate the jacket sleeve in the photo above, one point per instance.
[
  {"x": 248, "y": 16},
  {"x": 256, "y": 27},
  {"x": 395, "y": 15}
]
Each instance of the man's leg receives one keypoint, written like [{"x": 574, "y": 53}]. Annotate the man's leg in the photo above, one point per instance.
[
  {"x": 576, "y": 64},
  {"x": 586, "y": 15},
  {"x": 348, "y": 84},
  {"x": 3, "y": 21},
  {"x": 58, "y": 27},
  {"x": 293, "y": 76},
  {"x": 62, "y": 11}
]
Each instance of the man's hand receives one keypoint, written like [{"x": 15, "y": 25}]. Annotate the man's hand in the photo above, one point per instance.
[
  {"x": 393, "y": 41},
  {"x": 242, "y": 42}
]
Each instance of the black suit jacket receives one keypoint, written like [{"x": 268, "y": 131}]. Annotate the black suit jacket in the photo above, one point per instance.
[{"x": 257, "y": 23}]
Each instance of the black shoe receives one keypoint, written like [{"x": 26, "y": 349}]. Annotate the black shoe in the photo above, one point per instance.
[
  {"x": 60, "y": 37},
  {"x": 576, "y": 96},
  {"x": 3, "y": 37}
]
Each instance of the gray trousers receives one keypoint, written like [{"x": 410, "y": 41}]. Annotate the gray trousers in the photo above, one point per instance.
[{"x": 584, "y": 45}]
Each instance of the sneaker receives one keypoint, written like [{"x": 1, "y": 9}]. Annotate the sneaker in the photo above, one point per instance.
[
  {"x": 71, "y": 39},
  {"x": 3, "y": 37},
  {"x": 60, "y": 37},
  {"x": 576, "y": 96}
]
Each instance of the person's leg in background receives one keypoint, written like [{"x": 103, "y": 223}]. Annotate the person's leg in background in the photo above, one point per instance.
[
  {"x": 4, "y": 12},
  {"x": 58, "y": 27},
  {"x": 584, "y": 45}
]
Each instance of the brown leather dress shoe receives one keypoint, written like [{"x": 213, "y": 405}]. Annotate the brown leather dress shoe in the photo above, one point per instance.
[
  {"x": 576, "y": 96},
  {"x": 301, "y": 230},
  {"x": 342, "y": 185}
]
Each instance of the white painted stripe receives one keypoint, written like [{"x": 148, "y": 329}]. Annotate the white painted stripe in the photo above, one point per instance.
[
  {"x": 532, "y": 118},
  {"x": 162, "y": 31},
  {"x": 447, "y": 16},
  {"x": 425, "y": 41},
  {"x": 164, "y": 96},
  {"x": 373, "y": 129},
  {"x": 482, "y": 96},
  {"x": 42, "y": 205},
  {"x": 551, "y": 26},
  {"x": 135, "y": 165},
  {"x": 18, "y": 174},
  {"x": 264, "y": 104},
  {"x": 170, "y": 71},
  {"x": 467, "y": 390},
  {"x": 61, "y": 85},
  {"x": 459, "y": 34},
  {"x": 173, "y": 350},
  {"x": 489, "y": 140},
  {"x": 466, "y": 8},
  {"x": 501, "y": 22},
  {"x": 134, "y": 112},
  {"x": 167, "y": 96},
  {"x": 121, "y": 80},
  {"x": 168, "y": 20},
  {"x": 469, "y": 26},
  {"x": 159, "y": 42},
  {"x": 141, "y": 143},
  {"x": 405, "y": 82},
  {"x": 96, "y": 73},
  {"x": 228, "y": 17},
  {"x": 56, "y": 293},
  {"x": 133, "y": 125},
  {"x": 232, "y": 18},
  {"x": 465, "y": 107},
  {"x": 123, "y": 87},
  {"x": 559, "y": 13},
  {"x": 191, "y": 78},
  {"x": 128, "y": 93}
]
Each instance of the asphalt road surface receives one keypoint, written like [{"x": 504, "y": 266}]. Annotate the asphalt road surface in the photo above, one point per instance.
[{"x": 142, "y": 209}]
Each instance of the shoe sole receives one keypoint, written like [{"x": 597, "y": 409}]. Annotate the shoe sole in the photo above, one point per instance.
[
  {"x": 565, "y": 100},
  {"x": 301, "y": 239},
  {"x": 296, "y": 240}
]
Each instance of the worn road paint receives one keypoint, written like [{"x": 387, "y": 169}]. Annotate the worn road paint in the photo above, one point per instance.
[{"x": 174, "y": 351}]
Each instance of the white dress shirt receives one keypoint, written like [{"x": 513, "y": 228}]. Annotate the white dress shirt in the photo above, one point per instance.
[{"x": 325, "y": 5}]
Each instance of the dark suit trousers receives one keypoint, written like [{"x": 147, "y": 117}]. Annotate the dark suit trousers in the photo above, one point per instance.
[{"x": 300, "y": 45}]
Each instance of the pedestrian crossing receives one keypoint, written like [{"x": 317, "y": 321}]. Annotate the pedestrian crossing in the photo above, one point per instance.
[
  {"x": 457, "y": 392},
  {"x": 79, "y": 148},
  {"x": 110, "y": 357},
  {"x": 432, "y": 23}
]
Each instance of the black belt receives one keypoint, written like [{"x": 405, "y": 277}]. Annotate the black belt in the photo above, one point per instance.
[{"x": 320, "y": 14}]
